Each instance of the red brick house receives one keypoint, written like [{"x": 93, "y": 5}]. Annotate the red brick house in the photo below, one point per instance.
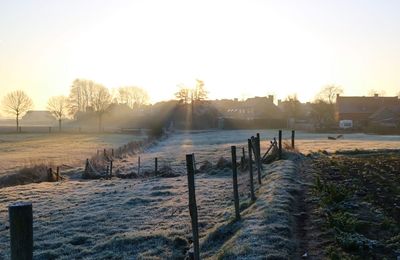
[{"x": 364, "y": 110}]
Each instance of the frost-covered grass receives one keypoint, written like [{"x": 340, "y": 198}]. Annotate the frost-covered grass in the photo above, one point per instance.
[
  {"x": 265, "y": 229},
  {"x": 26, "y": 150},
  {"x": 118, "y": 218},
  {"x": 148, "y": 217},
  {"x": 210, "y": 145}
]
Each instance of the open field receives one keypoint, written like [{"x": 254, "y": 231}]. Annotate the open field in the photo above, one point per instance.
[
  {"x": 147, "y": 218},
  {"x": 20, "y": 150}
]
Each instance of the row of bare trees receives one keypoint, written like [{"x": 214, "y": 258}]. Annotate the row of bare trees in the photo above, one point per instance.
[
  {"x": 85, "y": 96},
  {"x": 188, "y": 95}
]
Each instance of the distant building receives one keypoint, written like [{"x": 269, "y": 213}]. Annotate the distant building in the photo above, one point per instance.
[
  {"x": 256, "y": 112},
  {"x": 364, "y": 111},
  {"x": 39, "y": 117},
  {"x": 251, "y": 108}
]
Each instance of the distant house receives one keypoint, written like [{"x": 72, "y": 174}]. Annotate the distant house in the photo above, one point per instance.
[
  {"x": 256, "y": 112},
  {"x": 364, "y": 111},
  {"x": 38, "y": 117},
  {"x": 251, "y": 108}
]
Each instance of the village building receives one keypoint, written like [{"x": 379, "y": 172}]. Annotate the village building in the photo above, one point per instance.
[
  {"x": 39, "y": 117},
  {"x": 369, "y": 111}
]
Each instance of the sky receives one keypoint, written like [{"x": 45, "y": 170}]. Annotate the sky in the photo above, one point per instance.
[{"x": 238, "y": 48}]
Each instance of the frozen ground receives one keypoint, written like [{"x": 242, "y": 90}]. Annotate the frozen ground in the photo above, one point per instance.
[
  {"x": 148, "y": 218},
  {"x": 210, "y": 145},
  {"x": 21, "y": 150}
]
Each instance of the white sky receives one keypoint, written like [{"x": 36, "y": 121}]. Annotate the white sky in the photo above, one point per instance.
[{"x": 239, "y": 48}]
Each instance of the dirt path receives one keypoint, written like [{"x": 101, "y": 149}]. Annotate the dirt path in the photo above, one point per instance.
[{"x": 311, "y": 240}]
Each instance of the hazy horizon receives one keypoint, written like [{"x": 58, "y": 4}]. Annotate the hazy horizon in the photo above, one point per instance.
[{"x": 238, "y": 48}]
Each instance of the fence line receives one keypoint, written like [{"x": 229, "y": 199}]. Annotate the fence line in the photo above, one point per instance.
[{"x": 21, "y": 239}]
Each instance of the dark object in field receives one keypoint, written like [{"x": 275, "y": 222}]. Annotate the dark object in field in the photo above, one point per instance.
[{"x": 335, "y": 138}]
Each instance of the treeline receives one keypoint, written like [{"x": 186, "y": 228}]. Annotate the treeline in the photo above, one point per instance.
[
  {"x": 88, "y": 98},
  {"x": 85, "y": 96}
]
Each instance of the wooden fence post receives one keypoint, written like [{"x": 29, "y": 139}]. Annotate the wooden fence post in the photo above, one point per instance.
[
  {"x": 257, "y": 156},
  {"x": 21, "y": 231},
  {"x": 50, "y": 174},
  {"x": 280, "y": 145},
  {"x": 86, "y": 166},
  {"x": 253, "y": 197},
  {"x": 235, "y": 183},
  {"x": 138, "y": 165},
  {"x": 155, "y": 165},
  {"x": 58, "y": 173},
  {"x": 293, "y": 134},
  {"x": 192, "y": 205},
  {"x": 112, "y": 152},
  {"x": 111, "y": 168}
]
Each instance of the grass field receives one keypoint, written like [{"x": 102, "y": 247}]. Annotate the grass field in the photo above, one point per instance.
[
  {"x": 22, "y": 150},
  {"x": 147, "y": 218}
]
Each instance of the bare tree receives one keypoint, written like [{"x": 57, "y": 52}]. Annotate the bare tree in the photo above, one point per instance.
[
  {"x": 58, "y": 107},
  {"x": 134, "y": 97},
  {"x": 101, "y": 101},
  {"x": 81, "y": 95},
  {"x": 199, "y": 92},
  {"x": 184, "y": 94},
  {"x": 329, "y": 93},
  {"x": 16, "y": 103},
  {"x": 322, "y": 114},
  {"x": 292, "y": 106}
]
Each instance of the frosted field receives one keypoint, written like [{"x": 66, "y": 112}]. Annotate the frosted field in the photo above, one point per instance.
[
  {"x": 19, "y": 150},
  {"x": 148, "y": 218},
  {"x": 210, "y": 145}
]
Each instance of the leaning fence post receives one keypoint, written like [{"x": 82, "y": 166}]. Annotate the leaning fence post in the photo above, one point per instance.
[
  {"x": 293, "y": 134},
  {"x": 21, "y": 231},
  {"x": 155, "y": 165},
  {"x": 235, "y": 182},
  {"x": 280, "y": 144},
  {"x": 192, "y": 204},
  {"x": 253, "y": 197}
]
